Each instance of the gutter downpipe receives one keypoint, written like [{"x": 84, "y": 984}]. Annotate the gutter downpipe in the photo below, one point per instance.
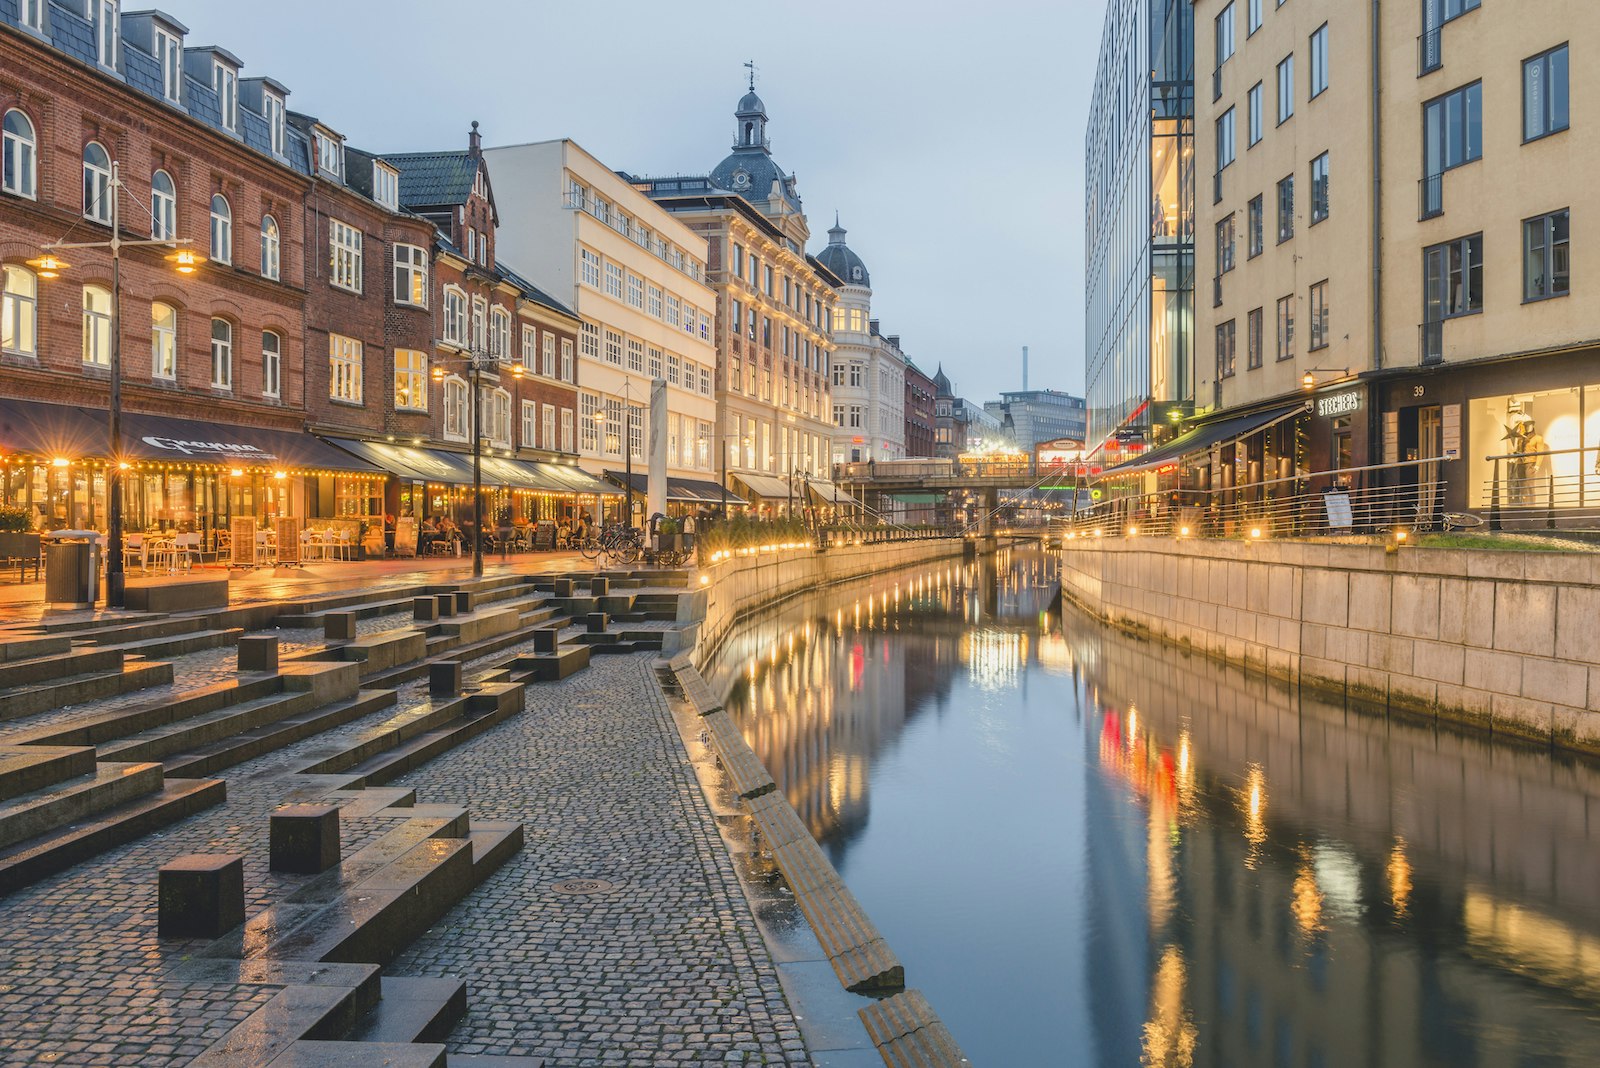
[{"x": 1375, "y": 418}]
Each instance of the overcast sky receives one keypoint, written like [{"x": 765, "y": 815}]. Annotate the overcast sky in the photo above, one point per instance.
[{"x": 948, "y": 135}]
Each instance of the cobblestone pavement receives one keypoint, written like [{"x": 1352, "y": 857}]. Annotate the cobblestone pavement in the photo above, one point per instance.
[{"x": 669, "y": 968}]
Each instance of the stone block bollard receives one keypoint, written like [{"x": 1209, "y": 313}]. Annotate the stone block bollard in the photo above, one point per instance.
[
  {"x": 466, "y": 601},
  {"x": 563, "y": 587},
  {"x": 339, "y": 626},
  {"x": 596, "y": 622},
  {"x": 200, "y": 895},
  {"x": 258, "y": 652},
  {"x": 304, "y": 839},
  {"x": 446, "y": 603},
  {"x": 444, "y": 678},
  {"x": 599, "y": 586},
  {"x": 545, "y": 639},
  {"x": 425, "y": 609}
]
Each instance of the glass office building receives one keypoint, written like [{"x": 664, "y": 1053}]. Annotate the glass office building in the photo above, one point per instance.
[{"x": 1139, "y": 228}]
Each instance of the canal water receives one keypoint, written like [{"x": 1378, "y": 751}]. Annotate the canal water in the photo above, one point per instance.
[{"x": 1089, "y": 849}]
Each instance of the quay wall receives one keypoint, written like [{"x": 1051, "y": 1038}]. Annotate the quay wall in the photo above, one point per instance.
[
  {"x": 1505, "y": 641},
  {"x": 743, "y": 584}
]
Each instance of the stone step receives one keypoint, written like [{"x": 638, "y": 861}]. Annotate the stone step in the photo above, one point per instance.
[
  {"x": 20, "y": 644},
  {"x": 438, "y": 648},
  {"x": 79, "y": 624},
  {"x": 93, "y": 728},
  {"x": 412, "y": 1010},
  {"x": 81, "y": 689},
  {"x": 26, "y": 768},
  {"x": 134, "y": 632},
  {"x": 249, "y": 744},
  {"x": 103, "y": 787},
  {"x": 550, "y": 667},
  {"x": 49, "y": 668},
  {"x": 418, "y": 717},
  {"x": 179, "y": 644},
  {"x": 30, "y": 861},
  {"x": 476, "y": 717},
  {"x": 493, "y": 843},
  {"x": 294, "y": 1013},
  {"x": 312, "y": 1053},
  {"x": 189, "y": 734}
]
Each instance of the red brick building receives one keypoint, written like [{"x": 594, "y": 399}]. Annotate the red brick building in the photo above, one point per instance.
[{"x": 920, "y": 392}]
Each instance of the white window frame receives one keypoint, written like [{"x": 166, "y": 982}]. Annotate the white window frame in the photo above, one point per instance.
[
  {"x": 614, "y": 275},
  {"x": 163, "y": 342},
  {"x": 454, "y": 323},
  {"x": 221, "y": 355},
  {"x": 547, "y": 426},
  {"x": 455, "y": 426},
  {"x": 345, "y": 360},
  {"x": 271, "y": 249},
  {"x": 163, "y": 206},
  {"x": 225, "y": 81},
  {"x": 567, "y": 368},
  {"x": 19, "y": 144},
  {"x": 566, "y": 430},
  {"x": 272, "y": 104},
  {"x": 221, "y": 229},
  {"x": 547, "y": 365},
  {"x": 30, "y": 13},
  {"x": 386, "y": 185},
  {"x": 411, "y": 275},
  {"x": 530, "y": 346},
  {"x": 169, "y": 54},
  {"x": 590, "y": 265},
  {"x": 330, "y": 156},
  {"x": 499, "y": 332},
  {"x": 97, "y": 184},
  {"x": 271, "y": 365},
  {"x": 479, "y": 329},
  {"x": 345, "y": 256},
  {"x": 96, "y": 326},
  {"x": 653, "y": 302},
  {"x": 590, "y": 333},
  {"x": 19, "y": 311},
  {"x": 108, "y": 31},
  {"x": 635, "y": 291},
  {"x": 410, "y": 380}
]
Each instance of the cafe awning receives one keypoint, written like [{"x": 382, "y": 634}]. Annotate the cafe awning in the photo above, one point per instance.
[
  {"x": 830, "y": 494},
  {"x": 682, "y": 490},
  {"x": 62, "y": 431},
  {"x": 410, "y": 462},
  {"x": 576, "y": 480},
  {"x": 768, "y": 486},
  {"x": 1203, "y": 437}
]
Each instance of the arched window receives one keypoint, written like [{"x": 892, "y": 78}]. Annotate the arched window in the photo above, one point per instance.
[
  {"x": 271, "y": 364},
  {"x": 455, "y": 409},
  {"x": 269, "y": 247},
  {"x": 19, "y": 305},
  {"x": 455, "y": 316},
  {"x": 163, "y": 341},
  {"x": 96, "y": 183},
  {"x": 221, "y": 354},
  {"x": 96, "y": 326},
  {"x": 221, "y": 229},
  {"x": 19, "y": 173},
  {"x": 163, "y": 207}
]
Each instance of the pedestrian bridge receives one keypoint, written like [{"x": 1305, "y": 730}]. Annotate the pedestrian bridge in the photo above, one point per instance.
[{"x": 949, "y": 475}]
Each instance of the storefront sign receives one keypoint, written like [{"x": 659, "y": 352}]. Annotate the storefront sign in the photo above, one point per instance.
[
  {"x": 1337, "y": 505},
  {"x": 1130, "y": 435},
  {"x": 1450, "y": 446},
  {"x": 209, "y": 448},
  {"x": 1339, "y": 403}
]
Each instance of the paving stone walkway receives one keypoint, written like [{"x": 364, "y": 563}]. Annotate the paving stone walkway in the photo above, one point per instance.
[{"x": 665, "y": 968}]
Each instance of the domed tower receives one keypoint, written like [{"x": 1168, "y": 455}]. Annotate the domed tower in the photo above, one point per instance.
[
  {"x": 839, "y": 259},
  {"x": 750, "y": 169}
]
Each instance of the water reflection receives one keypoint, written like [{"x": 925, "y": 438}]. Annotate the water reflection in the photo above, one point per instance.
[{"x": 1067, "y": 831}]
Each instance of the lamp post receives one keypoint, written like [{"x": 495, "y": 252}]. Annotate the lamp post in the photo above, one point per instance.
[
  {"x": 721, "y": 441},
  {"x": 476, "y": 360},
  {"x": 49, "y": 266},
  {"x": 626, "y": 444}
]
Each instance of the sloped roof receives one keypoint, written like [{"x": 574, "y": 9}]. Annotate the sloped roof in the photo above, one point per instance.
[
  {"x": 533, "y": 292},
  {"x": 428, "y": 179}
]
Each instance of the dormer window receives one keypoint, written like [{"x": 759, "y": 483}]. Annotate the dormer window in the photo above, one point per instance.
[
  {"x": 31, "y": 14},
  {"x": 329, "y": 155},
  {"x": 108, "y": 31},
  {"x": 386, "y": 186},
  {"x": 225, "y": 80},
  {"x": 169, "y": 53},
  {"x": 272, "y": 107}
]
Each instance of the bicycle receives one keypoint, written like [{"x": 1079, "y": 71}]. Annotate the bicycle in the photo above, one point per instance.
[{"x": 624, "y": 543}]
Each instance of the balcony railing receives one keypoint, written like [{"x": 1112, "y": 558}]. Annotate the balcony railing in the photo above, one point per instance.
[
  {"x": 1430, "y": 52},
  {"x": 1430, "y": 196},
  {"x": 1544, "y": 490},
  {"x": 1216, "y": 84},
  {"x": 1431, "y": 342},
  {"x": 1216, "y": 188}
]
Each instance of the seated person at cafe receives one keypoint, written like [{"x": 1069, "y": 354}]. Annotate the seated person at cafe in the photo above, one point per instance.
[{"x": 427, "y": 535}]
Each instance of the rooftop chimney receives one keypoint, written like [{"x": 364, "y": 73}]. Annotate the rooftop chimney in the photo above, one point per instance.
[
  {"x": 475, "y": 140},
  {"x": 1024, "y": 358}
]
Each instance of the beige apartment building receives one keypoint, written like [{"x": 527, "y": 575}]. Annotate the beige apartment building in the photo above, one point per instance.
[
  {"x": 1389, "y": 257},
  {"x": 637, "y": 278}
]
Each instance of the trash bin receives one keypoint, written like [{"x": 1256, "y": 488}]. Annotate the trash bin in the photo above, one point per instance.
[{"x": 72, "y": 569}]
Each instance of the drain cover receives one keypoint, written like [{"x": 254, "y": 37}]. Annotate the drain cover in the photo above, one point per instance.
[{"x": 583, "y": 886}]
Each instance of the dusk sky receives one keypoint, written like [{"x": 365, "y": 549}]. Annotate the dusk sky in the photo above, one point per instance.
[{"x": 948, "y": 136}]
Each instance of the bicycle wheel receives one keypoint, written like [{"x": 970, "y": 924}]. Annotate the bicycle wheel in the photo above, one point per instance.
[{"x": 590, "y": 548}]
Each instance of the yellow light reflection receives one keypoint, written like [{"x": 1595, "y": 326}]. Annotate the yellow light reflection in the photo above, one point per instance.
[
  {"x": 1307, "y": 902},
  {"x": 1399, "y": 872},
  {"x": 1255, "y": 814},
  {"x": 1169, "y": 1034}
]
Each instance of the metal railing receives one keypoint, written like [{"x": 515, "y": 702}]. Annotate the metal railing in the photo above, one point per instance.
[
  {"x": 1430, "y": 196},
  {"x": 1555, "y": 489},
  {"x": 1353, "y": 500},
  {"x": 1430, "y": 341},
  {"x": 1430, "y": 52}
]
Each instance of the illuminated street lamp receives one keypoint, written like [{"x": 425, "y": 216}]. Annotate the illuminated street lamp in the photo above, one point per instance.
[
  {"x": 477, "y": 360},
  {"x": 49, "y": 265}
]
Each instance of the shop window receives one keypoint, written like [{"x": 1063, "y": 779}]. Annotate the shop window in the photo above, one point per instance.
[
  {"x": 1535, "y": 450},
  {"x": 1546, "y": 258}
]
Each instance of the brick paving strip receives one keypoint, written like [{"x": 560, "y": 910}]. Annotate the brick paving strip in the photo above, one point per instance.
[{"x": 663, "y": 965}]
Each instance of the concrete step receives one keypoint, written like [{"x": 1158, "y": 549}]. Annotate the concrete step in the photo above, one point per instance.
[
  {"x": 189, "y": 734},
  {"x": 438, "y": 648},
  {"x": 79, "y": 625},
  {"x": 412, "y": 1010},
  {"x": 26, "y": 768},
  {"x": 249, "y": 744},
  {"x": 17, "y": 643},
  {"x": 81, "y": 689},
  {"x": 475, "y": 718},
  {"x": 312, "y": 1053},
  {"x": 93, "y": 728},
  {"x": 135, "y": 632},
  {"x": 493, "y": 843},
  {"x": 550, "y": 667},
  {"x": 30, "y": 861},
  {"x": 179, "y": 644},
  {"x": 103, "y": 787},
  {"x": 294, "y": 1013},
  {"x": 39, "y": 669}
]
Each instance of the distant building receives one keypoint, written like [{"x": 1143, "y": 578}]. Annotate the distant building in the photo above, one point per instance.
[
  {"x": 1028, "y": 417},
  {"x": 868, "y": 369},
  {"x": 959, "y": 425},
  {"x": 918, "y": 412}
]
